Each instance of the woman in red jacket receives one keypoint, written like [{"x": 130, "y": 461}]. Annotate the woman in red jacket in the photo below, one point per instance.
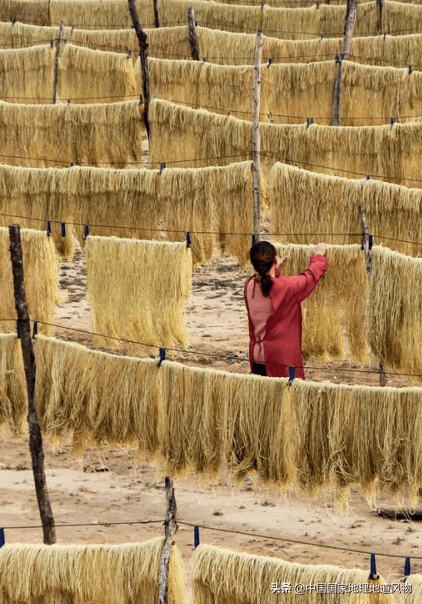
[{"x": 274, "y": 310}]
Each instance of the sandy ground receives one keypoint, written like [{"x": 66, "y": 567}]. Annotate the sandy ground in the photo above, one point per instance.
[{"x": 82, "y": 494}]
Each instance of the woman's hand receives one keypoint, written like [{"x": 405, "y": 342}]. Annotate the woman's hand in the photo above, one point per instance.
[
  {"x": 281, "y": 261},
  {"x": 321, "y": 249}
]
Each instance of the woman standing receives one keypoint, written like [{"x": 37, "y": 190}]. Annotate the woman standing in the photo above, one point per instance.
[{"x": 274, "y": 310}]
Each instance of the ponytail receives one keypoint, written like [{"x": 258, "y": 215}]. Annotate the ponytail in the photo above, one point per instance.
[
  {"x": 266, "y": 284},
  {"x": 262, "y": 256}
]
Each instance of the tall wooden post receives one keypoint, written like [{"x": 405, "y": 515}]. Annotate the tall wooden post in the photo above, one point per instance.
[
  {"x": 156, "y": 16},
  {"x": 193, "y": 40},
  {"x": 170, "y": 528},
  {"x": 143, "y": 55},
  {"x": 349, "y": 27},
  {"x": 368, "y": 259},
  {"x": 35, "y": 437},
  {"x": 380, "y": 5},
  {"x": 256, "y": 143},
  {"x": 56, "y": 64}
]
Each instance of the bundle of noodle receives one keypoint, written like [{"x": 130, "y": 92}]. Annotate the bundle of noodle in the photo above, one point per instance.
[
  {"x": 41, "y": 268},
  {"x": 222, "y": 576},
  {"x": 57, "y": 574}
]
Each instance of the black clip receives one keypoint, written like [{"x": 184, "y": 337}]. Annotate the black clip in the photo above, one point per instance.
[
  {"x": 48, "y": 228},
  {"x": 129, "y": 53},
  {"x": 162, "y": 356},
  {"x": 309, "y": 121},
  {"x": 385, "y": 35},
  {"x": 321, "y": 36},
  {"x": 51, "y": 43},
  {"x": 141, "y": 99},
  {"x": 72, "y": 164},
  {"x": 367, "y": 177},
  {"x": 253, "y": 239},
  {"x": 409, "y": 68},
  {"x": 13, "y": 21},
  {"x": 162, "y": 166},
  {"x": 63, "y": 229},
  {"x": 35, "y": 330},
  {"x": 292, "y": 371},
  {"x": 18, "y": 330},
  {"x": 392, "y": 121},
  {"x": 371, "y": 241},
  {"x": 196, "y": 541},
  {"x": 2, "y": 539},
  {"x": 188, "y": 239},
  {"x": 270, "y": 61},
  {"x": 204, "y": 59},
  {"x": 67, "y": 101},
  {"x": 406, "y": 568},
  {"x": 86, "y": 232},
  {"x": 373, "y": 573}
]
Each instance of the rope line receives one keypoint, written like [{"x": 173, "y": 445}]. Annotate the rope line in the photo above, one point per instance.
[
  {"x": 225, "y": 109},
  {"x": 220, "y": 530},
  {"x": 298, "y": 117},
  {"x": 210, "y": 159},
  {"x": 297, "y": 541},
  {"x": 213, "y": 24},
  {"x": 124, "y": 50},
  {"x": 183, "y": 231},
  {"x": 219, "y": 356},
  {"x": 108, "y": 524}
]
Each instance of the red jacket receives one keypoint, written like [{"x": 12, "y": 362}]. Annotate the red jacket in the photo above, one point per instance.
[{"x": 283, "y": 336}]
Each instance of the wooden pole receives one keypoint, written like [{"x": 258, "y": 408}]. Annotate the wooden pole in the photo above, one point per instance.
[
  {"x": 35, "y": 437},
  {"x": 368, "y": 259},
  {"x": 170, "y": 529},
  {"x": 256, "y": 143},
  {"x": 365, "y": 239},
  {"x": 383, "y": 377},
  {"x": 349, "y": 27},
  {"x": 380, "y": 5},
  {"x": 156, "y": 16},
  {"x": 56, "y": 64},
  {"x": 193, "y": 40},
  {"x": 143, "y": 55}
]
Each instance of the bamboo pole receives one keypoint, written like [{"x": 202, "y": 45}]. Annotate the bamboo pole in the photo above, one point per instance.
[
  {"x": 256, "y": 143},
  {"x": 193, "y": 40},
  {"x": 349, "y": 27},
  {"x": 170, "y": 529},
  {"x": 56, "y": 64},
  {"x": 143, "y": 54},
  {"x": 35, "y": 437}
]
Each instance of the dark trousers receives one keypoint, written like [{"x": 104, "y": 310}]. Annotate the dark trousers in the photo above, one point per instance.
[{"x": 259, "y": 369}]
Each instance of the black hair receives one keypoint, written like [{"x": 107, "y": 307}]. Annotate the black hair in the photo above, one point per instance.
[{"x": 262, "y": 256}]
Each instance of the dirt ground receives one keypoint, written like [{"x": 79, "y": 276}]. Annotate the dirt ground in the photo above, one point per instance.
[{"x": 82, "y": 494}]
